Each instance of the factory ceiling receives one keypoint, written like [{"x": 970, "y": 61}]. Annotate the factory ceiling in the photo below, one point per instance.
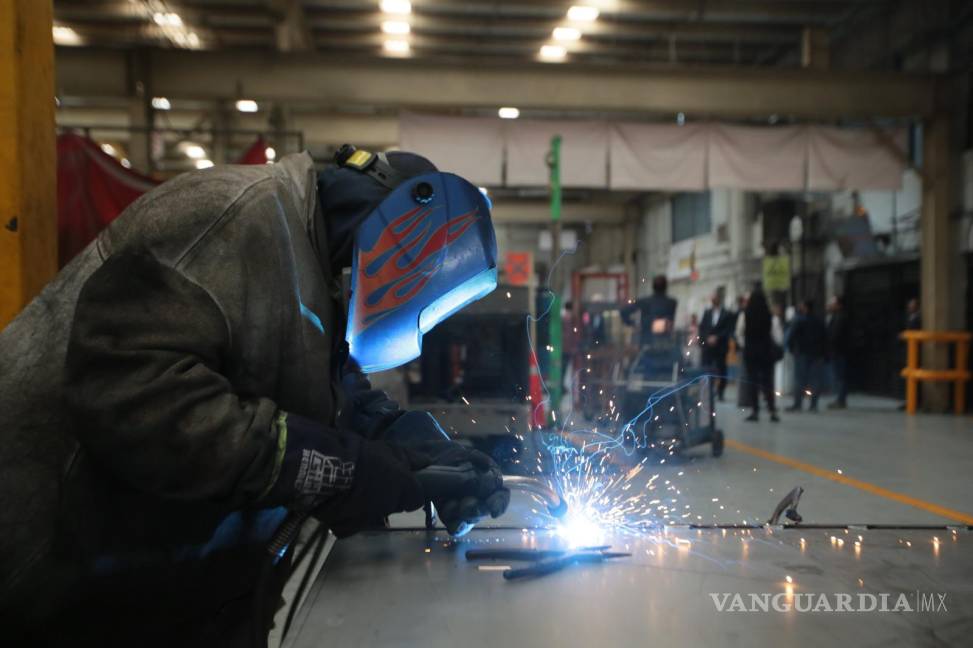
[{"x": 615, "y": 32}]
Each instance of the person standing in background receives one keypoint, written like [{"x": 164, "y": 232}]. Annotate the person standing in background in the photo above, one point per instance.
[
  {"x": 807, "y": 339},
  {"x": 913, "y": 318},
  {"x": 839, "y": 347},
  {"x": 657, "y": 312},
  {"x": 761, "y": 335},
  {"x": 715, "y": 330}
]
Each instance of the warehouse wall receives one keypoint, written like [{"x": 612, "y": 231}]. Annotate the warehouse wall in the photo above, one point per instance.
[{"x": 726, "y": 256}]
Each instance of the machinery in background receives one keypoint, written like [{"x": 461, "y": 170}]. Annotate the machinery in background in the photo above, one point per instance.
[
  {"x": 476, "y": 376},
  {"x": 672, "y": 405},
  {"x": 600, "y": 344}
]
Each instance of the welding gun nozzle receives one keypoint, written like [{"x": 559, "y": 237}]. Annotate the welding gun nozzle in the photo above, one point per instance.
[{"x": 558, "y": 511}]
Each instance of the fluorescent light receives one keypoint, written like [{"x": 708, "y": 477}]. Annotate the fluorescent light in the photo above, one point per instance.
[
  {"x": 397, "y": 27},
  {"x": 109, "y": 149},
  {"x": 173, "y": 20},
  {"x": 566, "y": 34},
  {"x": 553, "y": 52},
  {"x": 195, "y": 151},
  {"x": 161, "y": 103},
  {"x": 270, "y": 153},
  {"x": 582, "y": 13},
  {"x": 159, "y": 18},
  {"x": 396, "y": 6},
  {"x": 65, "y": 35},
  {"x": 508, "y": 112},
  {"x": 246, "y": 105},
  {"x": 204, "y": 164},
  {"x": 396, "y": 46}
]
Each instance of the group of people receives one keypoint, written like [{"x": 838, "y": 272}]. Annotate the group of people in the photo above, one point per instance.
[{"x": 761, "y": 335}]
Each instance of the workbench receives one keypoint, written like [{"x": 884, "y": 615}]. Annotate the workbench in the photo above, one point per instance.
[{"x": 411, "y": 587}]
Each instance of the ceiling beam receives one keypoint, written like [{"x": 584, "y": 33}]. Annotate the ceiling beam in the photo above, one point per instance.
[
  {"x": 443, "y": 86},
  {"x": 291, "y": 27}
]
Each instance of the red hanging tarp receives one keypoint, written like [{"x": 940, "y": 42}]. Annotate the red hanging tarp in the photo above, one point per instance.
[
  {"x": 256, "y": 154},
  {"x": 92, "y": 189}
]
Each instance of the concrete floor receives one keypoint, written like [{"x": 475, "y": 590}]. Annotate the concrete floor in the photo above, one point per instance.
[{"x": 894, "y": 470}]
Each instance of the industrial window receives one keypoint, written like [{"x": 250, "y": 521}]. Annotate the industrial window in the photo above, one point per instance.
[{"x": 690, "y": 215}]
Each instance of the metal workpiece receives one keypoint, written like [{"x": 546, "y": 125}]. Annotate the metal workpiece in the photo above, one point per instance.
[
  {"x": 669, "y": 592},
  {"x": 556, "y": 505}
]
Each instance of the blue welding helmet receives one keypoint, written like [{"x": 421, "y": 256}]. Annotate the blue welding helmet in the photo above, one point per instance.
[{"x": 426, "y": 251}]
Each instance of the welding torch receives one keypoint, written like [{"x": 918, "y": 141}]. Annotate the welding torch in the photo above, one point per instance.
[{"x": 556, "y": 505}]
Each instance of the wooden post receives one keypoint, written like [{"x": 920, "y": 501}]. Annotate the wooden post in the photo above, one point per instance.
[
  {"x": 28, "y": 184},
  {"x": 937, "y": 250}
]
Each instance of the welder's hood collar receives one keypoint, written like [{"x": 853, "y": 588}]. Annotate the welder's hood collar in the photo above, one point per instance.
[{"x": 426, "y": 251}]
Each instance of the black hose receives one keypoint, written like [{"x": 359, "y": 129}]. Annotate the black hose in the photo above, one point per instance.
[{"x": 277, "y": 549}]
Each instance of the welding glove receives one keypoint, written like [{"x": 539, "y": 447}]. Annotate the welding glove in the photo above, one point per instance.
[
  {"x": 367, "y": 411},
  {"x": 464, "y": 484},
  {"x": 347, "y": 482}
]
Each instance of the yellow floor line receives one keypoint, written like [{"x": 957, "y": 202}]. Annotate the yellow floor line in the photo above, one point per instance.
[{"x": 854, "y": 483}]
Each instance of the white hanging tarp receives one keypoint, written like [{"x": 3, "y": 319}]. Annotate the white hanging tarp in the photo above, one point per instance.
[
  {"x": 471, "y": 147},
  {"x": 658, "y": 156},
  {"x": 758, "y": 158},
  {"x": 845, "y": 158},
  {"x": 584, "y": 152}
]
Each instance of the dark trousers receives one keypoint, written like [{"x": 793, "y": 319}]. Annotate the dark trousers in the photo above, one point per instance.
[
  {"x": 716, "y": 362},
  {"x": 807, "y": 373},
  {"x": 839, "y": 366},
  {"x": 760, "y": 374}
]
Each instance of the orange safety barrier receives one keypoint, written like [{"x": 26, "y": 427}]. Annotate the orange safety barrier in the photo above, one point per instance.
[{"x": 913, "y": 373}]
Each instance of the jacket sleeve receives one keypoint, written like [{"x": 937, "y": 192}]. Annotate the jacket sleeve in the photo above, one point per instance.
[{"x": 145, "y": 384}]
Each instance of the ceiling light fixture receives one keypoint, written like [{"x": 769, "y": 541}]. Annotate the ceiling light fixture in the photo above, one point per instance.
[
  {"x": 566, "y": 34},
  {"x": 396, "y": 46},
  {"x": 508, "y": 112},
  {"x": 195, "y": 152},
  {"x": 161, "y": 103},
  {"x": 583, "y": 13},
  {"x": 270, "y": 153},
  {"x": 397, "y": 27},
  {"x": 396, "y": 6},
  {"x": 247, "y": 106},
  {"x": 65, "y": 35},
  {"x": 553, "y": 52}
]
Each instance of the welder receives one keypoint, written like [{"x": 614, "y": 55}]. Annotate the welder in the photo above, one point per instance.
[{"x": 194, "y": 378}]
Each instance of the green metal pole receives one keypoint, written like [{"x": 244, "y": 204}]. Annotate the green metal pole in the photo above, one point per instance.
[{"x": 554, "y": 321}]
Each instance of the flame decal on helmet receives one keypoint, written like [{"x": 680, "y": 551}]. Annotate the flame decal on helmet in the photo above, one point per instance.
[{"x": 407, "y": 254}]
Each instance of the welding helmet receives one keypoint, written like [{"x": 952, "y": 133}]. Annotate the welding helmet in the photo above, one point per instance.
[{"x": 423, "y": 253}]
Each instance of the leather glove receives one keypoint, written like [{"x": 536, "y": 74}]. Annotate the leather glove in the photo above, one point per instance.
[
  {"x": 464, "y": 484},
  {"x": 367, "y": 411}
]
